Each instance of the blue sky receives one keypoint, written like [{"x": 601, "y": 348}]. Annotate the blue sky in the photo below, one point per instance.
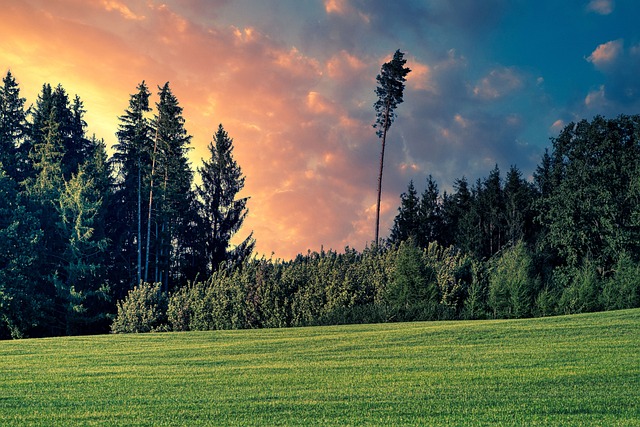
[{"x": 293, "y": 81}]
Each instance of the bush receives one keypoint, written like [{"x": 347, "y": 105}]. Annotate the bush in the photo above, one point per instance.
[
  {"x": 622, "y": 290},
  {"x": 581, "y": 294},
  {"x": 413, "y": 292},
  {"x": 475, "y": 305},
  {"x": 144, "y": 309},
  {"x": 511, "y": 283}
]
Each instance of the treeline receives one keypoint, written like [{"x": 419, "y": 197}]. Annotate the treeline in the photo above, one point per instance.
[
  {"x": 567, "y": 242},
  {"x": 91, "y": 243},
  {"x": 78, "y": 229}
]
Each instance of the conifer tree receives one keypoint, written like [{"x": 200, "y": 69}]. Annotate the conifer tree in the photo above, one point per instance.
[
  {"x": 13, "y": 128},
  {"x": 390, "y": 92},
  {"x": 22, "y": 301},
  {"x": 170, "y": 193},
  {"x": 132, "y": 159},
  {"x": 406, "y": 224},
  {"x": 221, "y": 211},
  {"x": 79, "y": 282},
  {"x": 430, "y": 215}
]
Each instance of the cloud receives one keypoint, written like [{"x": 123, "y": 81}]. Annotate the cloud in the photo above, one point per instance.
[
  {"x": 300, "y": 113},
  {"x": 122, "y": 8},
  {"x": 596, "y": 99},
  {"x": 606, "y": 54},
  {"x": 619, "y": 92},
  {"x": 498, "y": 83},
  {"x": 602, "y": 7}
]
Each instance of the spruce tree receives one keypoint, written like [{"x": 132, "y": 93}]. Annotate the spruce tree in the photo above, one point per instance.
[
  {"x": 170, "y": 194},
  {"x": 430, "y": 215},
  {"x": 406, "y": 224},
  {"x": 221, "y": 211},
  {"x": 132, "y": 161},
  {"x": 13, "y": 128},
  {"x": 22, "y": 300}
]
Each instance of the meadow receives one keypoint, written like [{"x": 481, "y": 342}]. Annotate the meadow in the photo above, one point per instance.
[{"x": 564, "y": 371}]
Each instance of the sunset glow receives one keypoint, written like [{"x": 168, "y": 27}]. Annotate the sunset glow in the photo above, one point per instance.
[{"x": 293, "y": 84}]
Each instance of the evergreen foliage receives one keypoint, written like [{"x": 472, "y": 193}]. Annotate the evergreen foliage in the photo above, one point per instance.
[
  {"x": 82, "y": 234},
  {"x": 221, "y": 211}
]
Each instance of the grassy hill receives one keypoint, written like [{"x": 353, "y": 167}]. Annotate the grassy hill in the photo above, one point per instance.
[{"x": 574, "y": 370}]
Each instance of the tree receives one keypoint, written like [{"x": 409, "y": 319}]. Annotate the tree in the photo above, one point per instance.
[
  {"x": 13, "y": 128},
  {"x": 22, "y": 301},
  {"x": 518, "y": 197},
  {"x": 390, "y": 94},
  {"x": 413, "y": 293},
  {"x": 490, "y": 207},
  {"x": 79, "y": 282},
  {"x": 132, "y": 158},
  {"x": 430, "y": 215},
  {"x": 406, "y": 223},
  {"x": 512, "y": 286},
  {"x": 170, "y": 193},
  {"x": 589, "y": 212},
  {"x": 221, "y": 211},
  {"x": 53, "y": 105}
]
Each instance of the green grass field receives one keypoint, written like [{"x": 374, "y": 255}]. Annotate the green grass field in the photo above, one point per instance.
[{"x": 562, "y": 371}]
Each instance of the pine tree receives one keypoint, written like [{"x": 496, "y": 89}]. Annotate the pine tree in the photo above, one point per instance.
[
  {"x": 132, "y": 160},
  {"x": 79, "y": 282},
  {"x": 22, "y": 301},
  {"x": 221, "y": 211},
  {"x": 390, "y": 94},
  {"x": 13, "y": 128},
  {"x": 53, "y": 105},
  {"x": 430, "y": 215},
  {"x": 170, "y": 192},
  {"x": 406, "y": 224}
]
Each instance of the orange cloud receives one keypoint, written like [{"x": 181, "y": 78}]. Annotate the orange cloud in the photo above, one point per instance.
[
  {"x": 419, "y": 77},
  {"x": 606, "y": 53},
  {"x": 124, "y": 10},
  {"x": 309, "y": 174},
  {"x": 335, "y": 6}
]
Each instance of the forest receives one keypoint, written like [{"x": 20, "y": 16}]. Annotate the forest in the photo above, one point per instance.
[{"x": 92, "y": 243}]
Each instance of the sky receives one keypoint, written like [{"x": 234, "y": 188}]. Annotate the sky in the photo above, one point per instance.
[{"x": 292, "y": 82}]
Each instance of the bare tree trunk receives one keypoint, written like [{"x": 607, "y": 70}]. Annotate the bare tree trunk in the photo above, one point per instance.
[
  {"x": 158, "y": 248},
  {"x": 384, "y": 140},
  {"x": 139, "y": 220},
  {"x": 153, "y": 170}
]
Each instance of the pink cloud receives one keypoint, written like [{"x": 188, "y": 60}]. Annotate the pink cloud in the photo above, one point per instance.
[
  {"x": 123, "y": 9},
  {"x": 606, "y": 53}
]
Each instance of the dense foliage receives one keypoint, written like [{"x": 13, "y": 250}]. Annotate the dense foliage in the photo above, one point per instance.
[
  {"x": 91, "y": 243},
  {"x": 80, "y": 230},
  {"x": 503, "y": 248}
]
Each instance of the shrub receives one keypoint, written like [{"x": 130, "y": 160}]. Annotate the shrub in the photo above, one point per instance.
[
  {"x": 144, "y": 309},
  {"x": 413, "y": 292},
  {"x": 581, "y": 294},
  {"x": 511, "y": 285},
  {"x": 622, "y": 289}
]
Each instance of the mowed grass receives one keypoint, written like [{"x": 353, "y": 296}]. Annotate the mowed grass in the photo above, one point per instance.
[{"x": 563, "y": 371}]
